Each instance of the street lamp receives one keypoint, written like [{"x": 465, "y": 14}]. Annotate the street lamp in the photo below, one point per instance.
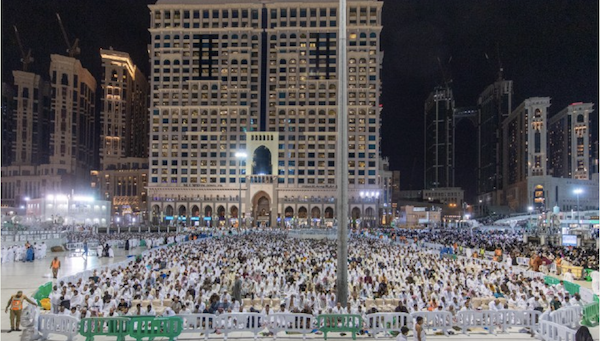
[
  {"x": 577, "y": 192},
  {"x": 240, "y": 156}
]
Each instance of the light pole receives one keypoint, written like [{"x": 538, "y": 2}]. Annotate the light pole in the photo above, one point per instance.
[
  {"x": 240, "y": 156},
  {"x": 577, "y": 192},
  {"x": 342, "y": 158},
  {"x": 377, "y": 210}
]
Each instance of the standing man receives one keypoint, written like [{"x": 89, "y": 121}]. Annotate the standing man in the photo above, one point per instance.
[
  {"x": 15, "y": 303},
  {"x": 55, "y": 265},
  {"x": 237, "y": 288},
  {"x": 418, "y": 331},
  {"x": 85, "y": 249}
]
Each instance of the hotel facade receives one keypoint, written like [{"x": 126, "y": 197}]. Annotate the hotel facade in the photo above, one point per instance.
[{"x": 243, "y": 112}]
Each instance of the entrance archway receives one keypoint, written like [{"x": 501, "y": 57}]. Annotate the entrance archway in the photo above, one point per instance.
[
  {"x": 289, "y": 212},
  {"x": 261, "y": 207},
  {"x": 329, "y": 213},
  {"x": 302, "y": 212},
  {"x": 356, "y": 213},
  {"x": 233, "y": 211},
  {"x": 315, "y": 213},
  {"x": 221, "y": 212},
  {"x": 169, "y": 210},
  {"x": 195, "y": 211},
  {"x": 155, "y": 214}
]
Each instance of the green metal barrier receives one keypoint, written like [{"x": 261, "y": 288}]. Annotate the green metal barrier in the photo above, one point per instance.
[
  {"x": 104, "y": 326},
  {"x": 590, "y": 314},
  {"x": 339, "y": 323},
  {"x": 152, "y": 327},
  {"x": 571, "y": 288},
  {"x": 551, "y": 280}
]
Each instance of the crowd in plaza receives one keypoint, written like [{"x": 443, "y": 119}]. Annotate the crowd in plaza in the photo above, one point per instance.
[
  {"x": 23, "y": 253},
  {"x": 509, "y": 244},
  {"x": 250, "y": 272}
]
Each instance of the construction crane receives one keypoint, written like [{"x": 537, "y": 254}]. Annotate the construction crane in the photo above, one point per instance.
[
  {"x": 500, "y": 68},
  {"x": 444, "y": 70},
  {"x": 26, "y": 59},
  {"x": 72, "y": 50}
]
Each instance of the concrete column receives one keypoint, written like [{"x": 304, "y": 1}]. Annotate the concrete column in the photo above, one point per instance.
[{"x": 342, "y": 161}]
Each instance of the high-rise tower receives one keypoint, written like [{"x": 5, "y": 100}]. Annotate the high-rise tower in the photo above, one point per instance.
[
  {"x": 495, "y": 105},
  {"x": 569, "y": 142},
  {"x": 261, "y": 78},
  {"x": 123, "y": 174},
  {"x": 439, "y": 137}
]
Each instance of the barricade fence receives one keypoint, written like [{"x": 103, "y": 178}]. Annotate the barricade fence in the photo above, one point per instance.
[
  {"x": 567, "y": 316},
  {"x": 591, "y": 314},
  {"x": 207, "y": 324},
  {"x": 550, "y": 331},
  {"x": 58, "y": 324}
]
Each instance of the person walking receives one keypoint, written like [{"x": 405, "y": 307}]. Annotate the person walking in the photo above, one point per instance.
[
  {"x": 237, "y": 288},
  {"x": 55, "y": 266},
  {"x": 15, "y": 303},
  {"x": 85, "y": 249}
]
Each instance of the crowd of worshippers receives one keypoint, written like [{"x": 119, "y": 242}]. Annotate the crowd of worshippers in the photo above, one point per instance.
[
  {"x": 129, "y": 240},
  {"x": 510, "y": 244},
  {"x": 24, "y": 253},
  {"x": 250, "y": 272}
]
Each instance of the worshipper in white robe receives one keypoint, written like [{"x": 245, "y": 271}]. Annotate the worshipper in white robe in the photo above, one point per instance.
[{"x": 111, "y": 252}]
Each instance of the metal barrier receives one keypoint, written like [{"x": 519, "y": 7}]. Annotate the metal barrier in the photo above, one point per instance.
[
  {"x": 339, "y": 323},
  {"x": 58, "y": 324},
  {"x": 104, "y": 326},
  {"x": 435, "y": 320},
  {"x": 198, "y": 324},
  {"x": 550, "y": 331},
  {"x": 387, "y": 322},
  {"x": 292, "y": 323},
  {"x": 240, "y": 322},
  {"x": 567, "y": 316},
  {"x": 590, "y": 314},
  {"x": 481, "y": 318},
  {"x": 519, "y": 318},
  {"x": 152, "y": 327}
]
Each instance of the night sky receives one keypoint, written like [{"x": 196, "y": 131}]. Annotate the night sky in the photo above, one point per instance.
[{"x": 548, "y": 48}]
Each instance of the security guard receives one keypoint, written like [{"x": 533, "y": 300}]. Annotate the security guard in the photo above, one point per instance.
[{"x": 15, "y": 303}]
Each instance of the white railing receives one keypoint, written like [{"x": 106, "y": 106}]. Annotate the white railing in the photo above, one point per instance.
[
  {"x": 387, "y": 322},
  {"x": 291, "y": 322},
  {"x": 480, "y": 318},
  {"x": 198, "y": 324},
  {"x": 520, "y": 318},
  {"x": 58, "y": 324},
  {"x": 550, "y": 331},
  {"x": 241, "y": 322},
  {"x": 436, "y": 320},
  {"x": 567, "y": 316}
]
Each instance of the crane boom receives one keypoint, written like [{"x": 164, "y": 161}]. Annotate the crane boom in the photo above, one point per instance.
[
  {"x": 72, "y": 50},
  {"x": 26, "y": 59}
]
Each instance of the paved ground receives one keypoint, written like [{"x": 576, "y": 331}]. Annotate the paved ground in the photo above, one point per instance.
[{"x": 29, "y": 276}]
